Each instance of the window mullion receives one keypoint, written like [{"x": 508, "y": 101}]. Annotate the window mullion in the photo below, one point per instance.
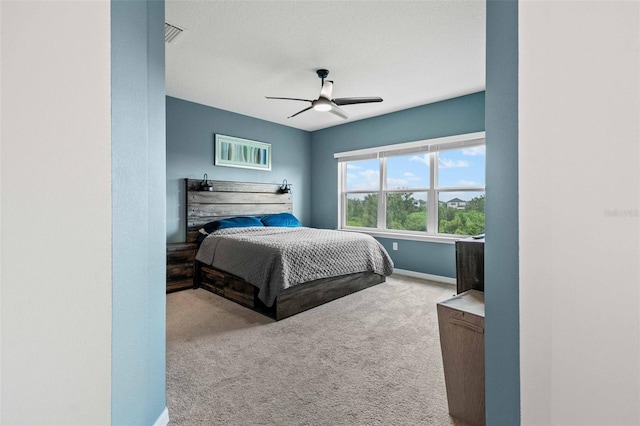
[
  {"x": 432, "y": 197},
  {"x": 382, "y": 199}
]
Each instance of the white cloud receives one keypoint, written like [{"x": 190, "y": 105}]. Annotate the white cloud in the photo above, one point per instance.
[
  {"x": 446, "y": 163},
  {"x": 421, "y": 159},
  {"x": 370, "y": 174},
  {"x": 397, "y": 183},
  {"x": 411, "y": 177},
  {"x": 474, "y": 150},
  {"x": 352, "y": 167},
  {"x": 366, "y": 179},
  {"x": 463, "y": 182}
]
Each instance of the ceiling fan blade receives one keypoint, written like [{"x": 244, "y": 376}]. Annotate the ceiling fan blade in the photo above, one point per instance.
[
  {"x": 338, "y": 111},
  {"x": 300, "y": 112},
  {"x": 327, "y": 88},
  {"x": 351, "y": 101},
  {"x": 289, "y": 99}
]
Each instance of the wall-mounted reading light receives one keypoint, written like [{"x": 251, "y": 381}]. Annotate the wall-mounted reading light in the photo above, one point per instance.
[
  {"x": 285, "y": 188},
  {"x": 205, "y": 185}
]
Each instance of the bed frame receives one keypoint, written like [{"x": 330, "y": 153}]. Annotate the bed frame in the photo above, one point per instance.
[{"x": 230, "y": 199}]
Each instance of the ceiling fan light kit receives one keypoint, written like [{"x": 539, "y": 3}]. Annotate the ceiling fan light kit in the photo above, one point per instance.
[
  {"x": 325, "y": 103},
  {"x": 322, "y": 104}
]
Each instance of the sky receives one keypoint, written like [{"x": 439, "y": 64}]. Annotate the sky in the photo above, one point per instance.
[{"x": 463, "y": 167}]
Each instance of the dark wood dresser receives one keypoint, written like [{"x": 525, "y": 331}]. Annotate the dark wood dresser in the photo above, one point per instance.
[
  {"x": 180, "y": 265},
  {"x": 470, "y": 264}
]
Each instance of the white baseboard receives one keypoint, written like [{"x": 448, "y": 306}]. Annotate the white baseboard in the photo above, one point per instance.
[
  {"x": 421, "y": 275},
  {"x": 163, "y": 420}
]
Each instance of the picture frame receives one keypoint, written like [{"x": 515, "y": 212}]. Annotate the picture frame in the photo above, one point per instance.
[{"x": 242, "y": 153}]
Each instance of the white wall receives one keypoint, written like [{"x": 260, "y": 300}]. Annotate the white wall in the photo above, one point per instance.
[
  {"x": 56, "y": 213},
  {"x": 579, "y": 156}
]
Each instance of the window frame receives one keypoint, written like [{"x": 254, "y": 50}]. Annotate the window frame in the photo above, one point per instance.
[{"x": 432, "y": 147}]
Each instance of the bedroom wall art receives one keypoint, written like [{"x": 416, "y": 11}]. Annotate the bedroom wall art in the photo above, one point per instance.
[{"x": 242, "y": 153}]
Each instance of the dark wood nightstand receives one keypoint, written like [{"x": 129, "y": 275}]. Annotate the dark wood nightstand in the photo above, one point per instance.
[{"x": 180, "y": 265}]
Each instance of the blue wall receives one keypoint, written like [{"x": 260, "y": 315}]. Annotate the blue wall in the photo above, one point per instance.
[
  {"x": 190, "y": 133},
  {"x": 502, "y": 347},
  {"x": 138, "y": 212},
  {"x": 446, "y": 118},
  {"x": 138, "y": 395}
]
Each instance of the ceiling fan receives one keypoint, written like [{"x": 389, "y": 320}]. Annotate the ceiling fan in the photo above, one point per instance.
[{"x": 324, "y": 101}]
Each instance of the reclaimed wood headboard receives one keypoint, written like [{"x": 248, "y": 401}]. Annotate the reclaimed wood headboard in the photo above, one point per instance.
[{"x": 230, "y": 199}]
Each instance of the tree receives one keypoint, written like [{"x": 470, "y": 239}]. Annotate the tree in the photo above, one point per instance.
[
  {"x": 476, "y": 204},
  {"x": 399, "y": 207},
  {"x": 404, "y": 212},
  {"x": 363, "y": 212},
  {"x": 416, "y": 221}
]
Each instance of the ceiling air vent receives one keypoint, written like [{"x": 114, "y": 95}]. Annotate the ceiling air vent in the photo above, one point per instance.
[{"x": 171, "y": 32}]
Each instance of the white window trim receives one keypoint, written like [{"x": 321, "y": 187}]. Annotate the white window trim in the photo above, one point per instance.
[
  {"x": 381, "y": 152},
  {"x": 436, "y": 144}
]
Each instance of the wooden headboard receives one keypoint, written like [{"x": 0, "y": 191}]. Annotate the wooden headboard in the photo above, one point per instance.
[{"x": 230, "y": 199}]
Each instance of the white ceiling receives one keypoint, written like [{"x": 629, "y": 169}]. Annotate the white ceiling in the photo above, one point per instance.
[{"x": 234, "y": 53}]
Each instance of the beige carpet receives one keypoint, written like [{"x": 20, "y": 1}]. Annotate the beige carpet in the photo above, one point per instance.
[{"x": 371, "y": 358}]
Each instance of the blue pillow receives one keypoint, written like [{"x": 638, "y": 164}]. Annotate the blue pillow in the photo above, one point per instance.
[
  {"x": 280, "y": 219},
  {"x": 232, "y": 222}
]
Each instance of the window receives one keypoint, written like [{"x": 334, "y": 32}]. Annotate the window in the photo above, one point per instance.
[{"x": 432, "y": 188}]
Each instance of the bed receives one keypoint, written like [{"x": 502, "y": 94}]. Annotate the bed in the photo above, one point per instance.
[{"x": 263, "y": 267}]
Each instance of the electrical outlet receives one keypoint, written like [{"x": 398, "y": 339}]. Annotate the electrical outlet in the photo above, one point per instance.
[{"x": 395, "y": 246}]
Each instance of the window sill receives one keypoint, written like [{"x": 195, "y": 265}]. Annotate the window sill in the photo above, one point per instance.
[{"x": 444, "y": 239}]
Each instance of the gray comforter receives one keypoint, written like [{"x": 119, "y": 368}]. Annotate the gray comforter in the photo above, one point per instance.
[{"x": 274, "y": 258}]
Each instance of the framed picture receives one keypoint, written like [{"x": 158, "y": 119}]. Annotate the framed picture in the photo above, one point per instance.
[{"x": 243, "y": 153}]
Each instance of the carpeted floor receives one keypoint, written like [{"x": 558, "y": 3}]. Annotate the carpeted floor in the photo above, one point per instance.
[{"x": 371, "y": 358}]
